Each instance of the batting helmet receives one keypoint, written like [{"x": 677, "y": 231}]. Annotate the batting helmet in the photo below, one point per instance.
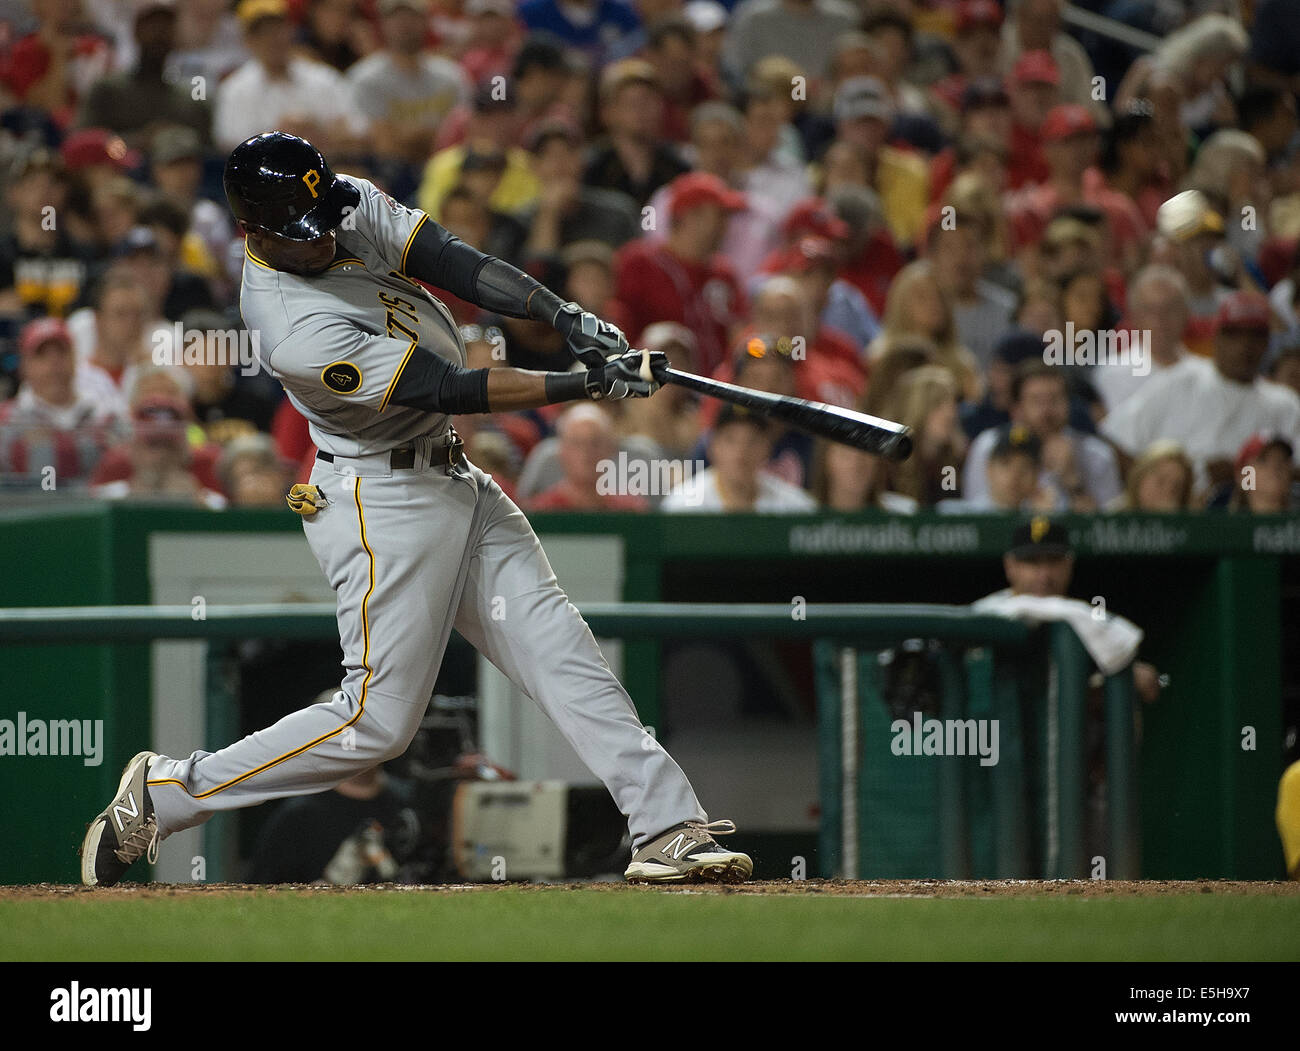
[{"x": 283, "y": 184}]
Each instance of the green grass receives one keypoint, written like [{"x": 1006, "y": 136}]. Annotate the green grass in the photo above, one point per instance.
[{"x": 564, "y": 924}]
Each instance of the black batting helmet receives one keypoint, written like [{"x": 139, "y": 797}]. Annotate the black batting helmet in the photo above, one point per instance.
[{"x": 283, "y": 184}]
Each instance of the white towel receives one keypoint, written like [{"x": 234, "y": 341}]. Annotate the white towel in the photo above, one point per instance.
[{"x": 1110, "y": 640}]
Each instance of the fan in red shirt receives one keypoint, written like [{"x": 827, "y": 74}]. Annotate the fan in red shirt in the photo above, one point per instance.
[
  {"x": 160, "y": 459},
  {"x": 810, "y": 218},
  {"x": 827, "y": 366},
  {"x": 1034, "y": 87},
  {"x": 870, "y": 256},
  {"x": 49, "y": 424},
  {"x": 834, "y": 370},
  {"x": 1070, "y": 142},
  {"x": 44, "y": 69},
  {"x": 682, "y": 278}
]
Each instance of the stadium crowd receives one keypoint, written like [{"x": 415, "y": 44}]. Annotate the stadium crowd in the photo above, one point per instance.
[{"x": 1070, "y": 263}]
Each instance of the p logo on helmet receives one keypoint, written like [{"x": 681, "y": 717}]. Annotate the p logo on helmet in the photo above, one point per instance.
[{"x": 282, "y": 184}]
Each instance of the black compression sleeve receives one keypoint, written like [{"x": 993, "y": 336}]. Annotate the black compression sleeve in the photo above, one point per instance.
[
  {"x": 434, "y": 384},
  {"x": 445, "y": 261}
]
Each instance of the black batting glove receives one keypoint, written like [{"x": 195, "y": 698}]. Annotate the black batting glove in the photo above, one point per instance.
[
  {"x": 625, "y": 376},
  {"x": 590, "y": 340}
]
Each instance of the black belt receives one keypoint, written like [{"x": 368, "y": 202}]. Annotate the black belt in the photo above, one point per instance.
[{"x": 403, "y": 457}]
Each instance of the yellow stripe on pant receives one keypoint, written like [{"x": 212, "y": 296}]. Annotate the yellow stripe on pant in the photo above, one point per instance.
[{"x": 365, "y": 663}]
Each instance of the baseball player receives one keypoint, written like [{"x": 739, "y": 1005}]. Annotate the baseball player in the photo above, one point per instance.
[{"x": 413, "y": 537}]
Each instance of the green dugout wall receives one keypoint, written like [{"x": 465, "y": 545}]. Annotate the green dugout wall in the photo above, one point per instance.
[{"x": 1216, "y": 596}]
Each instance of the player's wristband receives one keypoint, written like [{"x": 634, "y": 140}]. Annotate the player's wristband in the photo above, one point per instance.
[{"x": 565, "y": 386}]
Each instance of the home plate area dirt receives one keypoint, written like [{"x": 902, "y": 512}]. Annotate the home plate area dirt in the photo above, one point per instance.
[{"x": 837, "y": 888}]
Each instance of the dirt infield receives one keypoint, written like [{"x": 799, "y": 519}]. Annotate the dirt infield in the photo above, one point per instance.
[{"x": 835, "y": 888}]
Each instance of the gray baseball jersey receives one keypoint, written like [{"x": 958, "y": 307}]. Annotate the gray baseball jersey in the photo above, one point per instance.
[{"x": 338, "y": 341}]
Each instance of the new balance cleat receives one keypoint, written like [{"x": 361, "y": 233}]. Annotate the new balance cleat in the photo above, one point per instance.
[
  {"x": 688, "y": 853},
  {"x": 118, "y": 837}
]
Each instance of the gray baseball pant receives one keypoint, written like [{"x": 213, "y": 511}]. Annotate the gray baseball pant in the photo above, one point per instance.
[{"x": 412, "y": 554}]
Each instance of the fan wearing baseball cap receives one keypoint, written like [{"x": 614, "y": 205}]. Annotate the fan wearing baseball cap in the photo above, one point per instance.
[
  {"x": 683, "y": 278},
  {"x": 719, "y": 141},
  {"x": 42, "y": 270},
  {"x": 97, "y": 156},
  {"x": 811, "y": 231},
  {"x": 788, "y": 304},
  {"x": 165, "y": 457},
  {"x": 1034, "y": 87},
  {"x": 1070, "y": 141},
  {"x": 493, "y": 38},
  {"x": 1036, "y": 26},
  {"x": 278, "y": 89},
  {"x": 1192, "y": 237},
  {"x": 864, "y": 112},
  {"x": 1212, "y": 407},
  {"x": 50, "y": 423},
  {"x": 1265, "y": 476}
]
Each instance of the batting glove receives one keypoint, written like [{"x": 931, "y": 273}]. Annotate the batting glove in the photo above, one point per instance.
[
  {"x": 305, "y": 499},
  {"x": 590, "y": 340},
  {"x": 629, "y": 376}
]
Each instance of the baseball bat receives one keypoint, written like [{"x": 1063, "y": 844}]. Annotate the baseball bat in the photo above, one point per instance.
[{"x": 890, "y": 440}]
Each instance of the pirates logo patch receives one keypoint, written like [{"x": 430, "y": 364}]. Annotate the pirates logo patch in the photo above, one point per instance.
[{"x": 342, "y": 377}]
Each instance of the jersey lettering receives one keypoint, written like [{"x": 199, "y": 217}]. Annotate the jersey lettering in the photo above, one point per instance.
[{"x": 395, "y": 306}]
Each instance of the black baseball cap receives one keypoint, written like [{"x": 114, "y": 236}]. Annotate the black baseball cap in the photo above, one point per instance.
[
  {"x": 138, "y": 239},
  {"x": 483, "y": 161},
  {"x": 1040, "y": 538},
  {"x": 1019, "y": 345},
  {"x": 1016, "y": 438},
  {"x": 730, "y": 414},
  {"x": 982, "y": 92}
]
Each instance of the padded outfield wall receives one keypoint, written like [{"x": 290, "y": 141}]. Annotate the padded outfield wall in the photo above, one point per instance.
[{"x": 1216, "y": 595}]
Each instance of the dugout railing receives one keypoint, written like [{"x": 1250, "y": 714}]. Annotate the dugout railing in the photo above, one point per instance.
[{"x": 882, "y": 814}]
